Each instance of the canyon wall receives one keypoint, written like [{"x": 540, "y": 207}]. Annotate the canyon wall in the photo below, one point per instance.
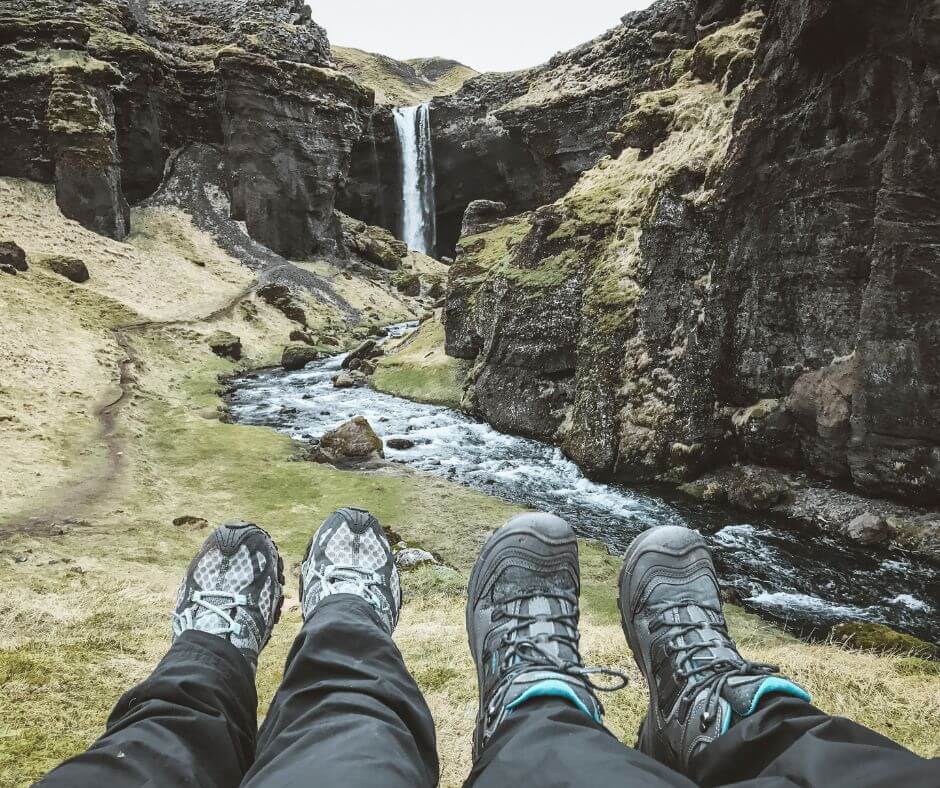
[
  {"x": 95, "y": 95},
  {"x": 749, "y": 275}
]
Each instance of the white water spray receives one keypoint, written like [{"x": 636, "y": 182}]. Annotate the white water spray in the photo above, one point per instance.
[{"x": 418, "y": 229}]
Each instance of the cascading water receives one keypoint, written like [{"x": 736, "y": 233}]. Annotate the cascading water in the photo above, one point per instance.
[{"x": 413, "y": 125}]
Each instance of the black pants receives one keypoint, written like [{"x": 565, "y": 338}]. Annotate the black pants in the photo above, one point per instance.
[{"x": 349, "y": 714}]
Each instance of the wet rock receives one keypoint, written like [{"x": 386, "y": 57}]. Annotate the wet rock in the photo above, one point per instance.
[
  {"x": 352, "y": 442},
  {"x": 13, "y": 255},
  {"x": 355, "y": 364},
  {"x": 411, "y": 557},
  {"x": 71, "y": 268},
  {"x": 400, "y": 444},
  {"x": 709, "y": 492},
  {"x": 757, "y": 489},
  {"x": 189, "y": 521},
  {"x": 368, "y": 349},
  {"x": 226, "y": 345},
  {"x": 868, "y": 529},
  {"x": 297, "y": 355},
  {"x": 348, "y": 380},
  {"x": 279, "y": 296},
  {"x": 867, "y": 636}
]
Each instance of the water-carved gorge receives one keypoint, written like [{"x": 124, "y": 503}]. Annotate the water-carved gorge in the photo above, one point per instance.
[
  {"x": 750, "y": 276},
  {"x": 707, "y": 236}
]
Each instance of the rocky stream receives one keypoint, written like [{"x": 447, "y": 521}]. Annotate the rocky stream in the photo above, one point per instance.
[{"x": 805, "y": 581}]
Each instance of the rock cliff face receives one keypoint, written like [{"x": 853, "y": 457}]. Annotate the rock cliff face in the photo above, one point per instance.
[
  {"x": 524, "y": 138},
  {"x": 751, "y": 275},
  {"x": 94, "y": 95}
]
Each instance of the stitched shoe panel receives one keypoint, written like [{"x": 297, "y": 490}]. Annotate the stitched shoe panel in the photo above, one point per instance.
[
  {"x": 350, "y": 554},
  {"x": 233, "y": 589}
]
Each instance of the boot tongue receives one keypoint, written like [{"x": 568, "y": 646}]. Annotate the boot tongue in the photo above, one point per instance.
[{"x": 708, "y": 632}]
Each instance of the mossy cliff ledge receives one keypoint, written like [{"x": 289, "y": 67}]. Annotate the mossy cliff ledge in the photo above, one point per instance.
[
  {"x": 748, "y": 276},
  {"x": 95, "y": 95}
]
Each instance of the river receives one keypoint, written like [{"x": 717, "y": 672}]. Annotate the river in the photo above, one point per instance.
[{"x": 804, "y": 581}]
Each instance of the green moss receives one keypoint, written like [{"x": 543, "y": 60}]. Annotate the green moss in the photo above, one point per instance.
[
  {"x": 480, "y": 252},
  {"x": 419, "y": 369},
  {"x": 867, "y": 636},
  {"x": 550, "y": 272}
]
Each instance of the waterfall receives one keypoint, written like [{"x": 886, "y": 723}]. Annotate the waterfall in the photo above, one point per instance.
[{"x": 418, "y": 229}]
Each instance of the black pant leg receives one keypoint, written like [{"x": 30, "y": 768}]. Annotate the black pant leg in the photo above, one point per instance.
[
  {"x": 789, "y": 741},
  {"x": 551, "y": 744},
  {"x": 192, "y": 722},
  {"x": 347, "y": 713}
]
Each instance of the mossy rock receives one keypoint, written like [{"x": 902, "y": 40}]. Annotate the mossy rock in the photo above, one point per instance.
[{"x": 867, "y": 636}]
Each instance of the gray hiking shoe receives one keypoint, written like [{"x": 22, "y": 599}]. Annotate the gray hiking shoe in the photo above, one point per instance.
[
  {"x": 350, "y": 554},
  {"x": 522, "y": 622},
  {"x": 233, "y": 589},
  {"x": 671, "y": 612}
]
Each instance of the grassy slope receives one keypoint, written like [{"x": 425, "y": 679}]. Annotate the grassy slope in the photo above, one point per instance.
[
  {"x": 419, "y": 369},
  {"x": 89, "y": 615},
  {"x": 396, "y": 82}
]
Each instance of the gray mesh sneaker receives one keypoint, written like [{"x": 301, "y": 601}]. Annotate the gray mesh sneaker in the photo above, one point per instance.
[
  {"x": 350, "y": 554},
  {"x": 671, "y": 612},
  {"x": 522, "y": 622},
  {"x": 233, "y": 589}
]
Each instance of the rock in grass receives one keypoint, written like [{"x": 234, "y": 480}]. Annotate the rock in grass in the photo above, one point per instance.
[
  {"x": 297, "y": 355},
  {"x": 867, "y": 636},
  {"x": 226, "y": 345},
  {"x": 13, "y": 255},
  {"x": 411, "y": 557},
  {"x": 303, "y": 336},
  {"x": 352, "y": 442},
  {"x": 71, "y": 268},
  {"x": 7, "y": 269},
  {"x": 188, "y": 521},
  {"x": 280, "y": 297}
]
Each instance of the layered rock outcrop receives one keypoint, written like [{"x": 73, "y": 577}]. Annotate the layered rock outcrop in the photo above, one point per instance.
[
  {"x": 751, "y": 275},
  {"x": 524, "y": 138},
  {"x": 95, "y": 95}
]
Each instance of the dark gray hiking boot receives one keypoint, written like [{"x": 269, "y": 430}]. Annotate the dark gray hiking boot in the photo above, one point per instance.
[
  {"x": 522, "y": 622},
  {"x": 233, "y": 589},
  {"x": 350, "y": 554},
  {"x": 672, "y": 616}
]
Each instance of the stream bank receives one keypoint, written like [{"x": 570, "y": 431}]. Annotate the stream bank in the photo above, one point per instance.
[{"x": 806, "y": 582}]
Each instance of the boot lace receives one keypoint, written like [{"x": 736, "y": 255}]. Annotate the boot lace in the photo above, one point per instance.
[
  {"x": 522, "y": 654},
  {"x": 217, "y": 602},
  {"x": 365, "y": 584},
  {"x": 711, "y": 673}
]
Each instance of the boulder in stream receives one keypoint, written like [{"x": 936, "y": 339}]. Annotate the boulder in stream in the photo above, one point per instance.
[
  {"x": 297, "y": 355},
  {"x": 353, "y": 442},
  {"x": 868, "y": 529},
  {"x": 368, "y": 349}
]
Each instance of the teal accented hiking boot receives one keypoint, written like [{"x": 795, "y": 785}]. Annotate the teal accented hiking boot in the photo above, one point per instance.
[
  {"x": 350, "y": 554},
  {"x": 522, "y": 622},
  {"x": 671, "y": 612},
  {"x": 233, "y": 589}
]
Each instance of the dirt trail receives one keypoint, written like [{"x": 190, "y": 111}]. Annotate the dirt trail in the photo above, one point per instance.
[{"x": 79, "y": 496}]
